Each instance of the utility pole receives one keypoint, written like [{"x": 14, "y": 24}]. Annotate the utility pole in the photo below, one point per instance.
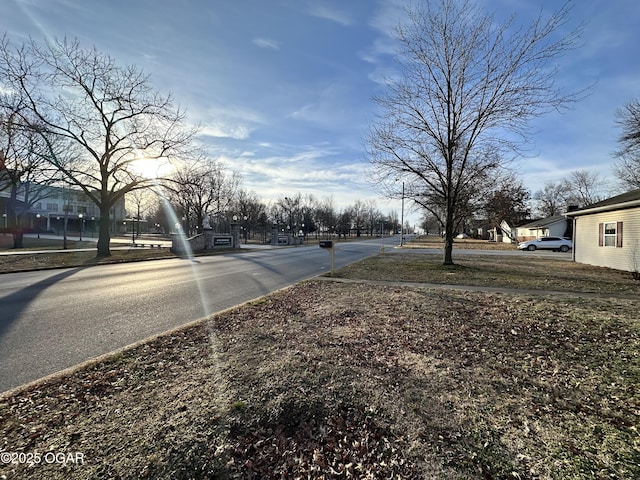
[{"x": 402, "y": 218}]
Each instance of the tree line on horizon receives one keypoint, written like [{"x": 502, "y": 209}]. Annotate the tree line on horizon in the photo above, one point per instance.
[{"x": 207, "y": 193}]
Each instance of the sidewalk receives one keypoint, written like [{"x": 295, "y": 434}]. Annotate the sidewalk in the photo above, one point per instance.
[{"x": 116, "y": 243}]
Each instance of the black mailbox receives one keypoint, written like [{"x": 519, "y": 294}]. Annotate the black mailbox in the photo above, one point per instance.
[{"x": 326, "y": 243}]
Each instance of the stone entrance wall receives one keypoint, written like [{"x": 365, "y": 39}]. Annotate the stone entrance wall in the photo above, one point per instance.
[{"x": 207, "y": 240}]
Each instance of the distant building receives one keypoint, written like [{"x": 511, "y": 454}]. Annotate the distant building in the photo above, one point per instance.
[{"x": 54, "y": 204}]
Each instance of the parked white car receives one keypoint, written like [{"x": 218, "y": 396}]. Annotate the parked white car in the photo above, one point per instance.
[{"x": 547, "y": 243}]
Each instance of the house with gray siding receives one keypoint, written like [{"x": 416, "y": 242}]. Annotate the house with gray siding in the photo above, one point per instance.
[{"x": 607, "y": 233}]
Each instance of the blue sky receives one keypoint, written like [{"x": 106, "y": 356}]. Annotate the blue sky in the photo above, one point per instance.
[{"x": 283, "y": 87}]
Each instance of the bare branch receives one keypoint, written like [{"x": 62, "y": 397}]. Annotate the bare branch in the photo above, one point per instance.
[
  {"x": 627, "y": 166},
  {"x": 111, "y": 114},
  {"x": 469, "y": 88}
]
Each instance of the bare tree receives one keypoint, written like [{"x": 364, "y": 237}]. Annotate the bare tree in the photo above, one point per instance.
[
  {"x": 110, "y": 113},
  {"x": 509, "y": 202},
  {"x": 392, "y": 221},
  {"x": 143, "y": 203},
  {"x": 296, "y": 213},
  {"x": 371, "y": 215},
  {"x": 326, "y": 217},
  {"x": 308, "y": 207},
  {"x": 289, "y": 212},
  {"x": 179, "y": 191},
  {"x": 359, "y": 214},
  {"x": 584, "y": 188},
  {"x": 627, "y": 165},
  {"x": 431, "y": 224},
  {"x": 468, "y": 88},
  {"x": 203, "y": 189},
  {"x": 551, "y": 200},
  {"x": 23, "y": 169},
  {"x": 252, "y": 211}
]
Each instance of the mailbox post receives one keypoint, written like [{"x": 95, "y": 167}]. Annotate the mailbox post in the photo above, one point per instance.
[{"x": 328, "y": 244}]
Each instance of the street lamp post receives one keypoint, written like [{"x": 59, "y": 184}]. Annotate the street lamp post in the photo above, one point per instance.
[
  {"x": 4, "y": 216},
  {"x": 64, "y": 232},
  {"x": 235, "y": 231},
  {"x": 402, "y": 218},
  {"x": 81, "y": 219},
  {"x": 246, "y": 231},
  {"x": 138, "y": 217},
  {"x": 38, "y": 224}
]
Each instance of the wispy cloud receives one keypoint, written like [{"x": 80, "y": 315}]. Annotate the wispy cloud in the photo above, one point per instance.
[
  {"x": 267, "y": 43},
  {"x": 227, "y": 121},
  {"x": 221, "y": 130},
  {"x": 322, "y": 11},
  {"x": 281, "y": 176},
  {"x": 331, "y": 106},
  {"x": 385, "y": 20},
  {"x": 308, "y": 169},
  {"x": 388, "y": 15},
  {"x": 381, "y": 47}
]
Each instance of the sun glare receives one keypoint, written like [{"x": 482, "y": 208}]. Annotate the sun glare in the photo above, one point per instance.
[{"x": 151, "y": 167}]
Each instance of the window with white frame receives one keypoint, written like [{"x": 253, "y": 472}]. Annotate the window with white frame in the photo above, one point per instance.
[{"x": 610, "y": 233}]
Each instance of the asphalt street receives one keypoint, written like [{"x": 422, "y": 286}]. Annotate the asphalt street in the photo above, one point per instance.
[{"x": 51, "y": 320}]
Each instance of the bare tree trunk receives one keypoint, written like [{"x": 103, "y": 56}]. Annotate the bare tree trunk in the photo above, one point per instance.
[
  {"x": 18, "y": 235},
  {"x": 448, "y": 239},
  {"x": 104, "y": 236},
  {"x": 447, "y": 258},
  {"x": 14, "y": 220}
]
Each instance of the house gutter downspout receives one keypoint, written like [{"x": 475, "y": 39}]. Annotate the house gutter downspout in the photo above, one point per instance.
[{"x": 573, "y": 238}]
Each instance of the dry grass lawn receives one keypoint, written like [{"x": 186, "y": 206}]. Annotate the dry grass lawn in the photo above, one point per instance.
[
  {"x": 433, "y": 241},
  {"x": 525, "y": 272},
  {"x": 329, "y": 379}
]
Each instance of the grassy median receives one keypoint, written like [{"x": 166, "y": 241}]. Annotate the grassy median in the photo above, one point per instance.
[{"x": 362, "y": 376}]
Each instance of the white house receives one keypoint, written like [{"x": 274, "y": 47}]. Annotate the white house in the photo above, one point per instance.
[
  {"x": 555, "y": 226},
  {"x": 607, "y": 233}
]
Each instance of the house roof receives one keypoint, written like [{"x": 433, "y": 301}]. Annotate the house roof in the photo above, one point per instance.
[
  {"x": 520, "y": 224},
  {"x": 626, "y": 200},
  {"x": 544, "y": 222}
]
